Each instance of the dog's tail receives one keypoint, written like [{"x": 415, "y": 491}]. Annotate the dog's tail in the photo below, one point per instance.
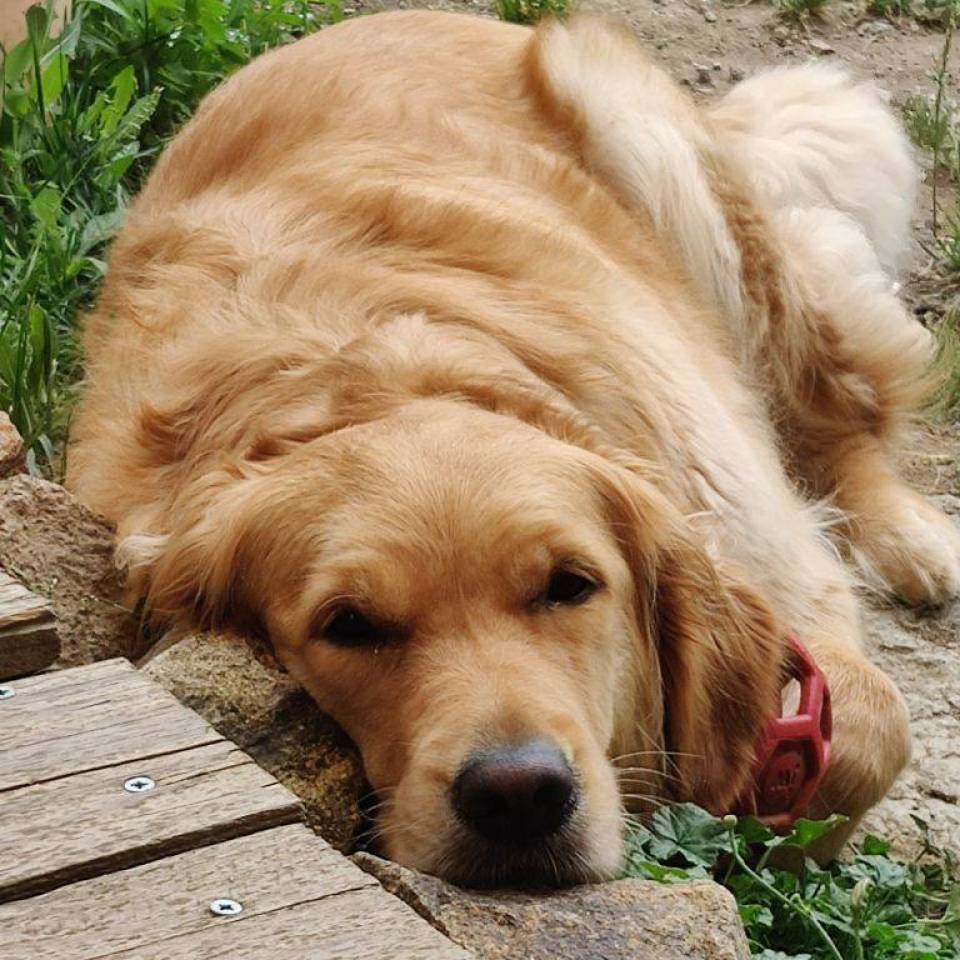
[
  {"x": 646, "y": 141},
  {"x": 816, "y": 138},
  {"x": 756, "y": 256}
]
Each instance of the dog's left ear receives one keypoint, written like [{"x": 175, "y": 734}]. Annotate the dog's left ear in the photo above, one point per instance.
[
  {"x": 719, "y": 647},
  {"x": 721, "y": 656}
]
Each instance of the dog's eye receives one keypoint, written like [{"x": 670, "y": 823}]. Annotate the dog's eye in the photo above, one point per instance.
[
  {"x": 568, "y": 588},
  {"x": 348, "y": 627}
]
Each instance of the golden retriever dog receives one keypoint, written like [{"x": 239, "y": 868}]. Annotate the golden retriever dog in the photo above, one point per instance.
[{"x": 511, "y": 396}]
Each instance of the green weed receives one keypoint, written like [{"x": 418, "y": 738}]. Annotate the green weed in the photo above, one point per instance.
[
  {"x": 868, "y": 907},
  {"x": 947, "y": 333},
  {"x": 801, "y": 9},
  {"x": 530, "y": 11},
  {"x": 82, "y": 116},
  {"x": 890, "y": 8},
  {"x": 933, "y": 123},
  {"x": 933, "y": 131}
]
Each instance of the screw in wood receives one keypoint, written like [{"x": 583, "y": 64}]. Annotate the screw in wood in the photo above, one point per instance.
[
  {"x": 225, "y": 907},
  {"x": 138, "y": 785},
  {"x": 7, "y": 693}
]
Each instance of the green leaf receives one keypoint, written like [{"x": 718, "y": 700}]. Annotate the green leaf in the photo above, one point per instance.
[
  {"x": 918, "y": 943},
  {"x": 875, "y": 845},
  {"x": 953, "y": 903},
  {"x": 780, "y": 955},
  {"x": 17, "y": 61},
  {"x": 885, "y": 873},
  {"x": 17, "y": 103},
  {"x": 122, "y": 88},
  {"x": 138, "y": 115},
  {"x": 650, "y": 870},
  {"x": 753, "y": 831},
  {"x": 46, "y": 206},
  {"x": 755, "y": 915},
  {"x": 805, "y": 832},
  {"x": 685, "y": 830},
  {"x": 118, "y": 8},
  {"x": 69, "y": 37},
  {"x": 54, "y": 78},
  {"x": 119, "y": 164},
  {"x": 99, "y": 229},
  {"x": 37, "y": 20}
]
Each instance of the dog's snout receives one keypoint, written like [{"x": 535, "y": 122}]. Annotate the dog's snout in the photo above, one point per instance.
[{"x": 516, "y": 795}]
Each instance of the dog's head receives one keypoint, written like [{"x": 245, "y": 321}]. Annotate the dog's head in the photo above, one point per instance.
[{"x": 523, "y": 637}]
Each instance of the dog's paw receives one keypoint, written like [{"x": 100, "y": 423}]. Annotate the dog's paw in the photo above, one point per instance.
[{"x": 912, "y": 551}]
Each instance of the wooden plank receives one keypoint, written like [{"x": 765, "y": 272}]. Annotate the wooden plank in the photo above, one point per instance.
[
  {"x": 301, "y": 900},
  {"x": 28, "y": 630},
  {"x": 64, "y": 723},
  {"x": 85, "y": 825}
]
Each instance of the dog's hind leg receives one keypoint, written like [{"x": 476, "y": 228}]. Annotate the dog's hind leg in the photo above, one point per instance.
[{"x": 830, "y": 165}]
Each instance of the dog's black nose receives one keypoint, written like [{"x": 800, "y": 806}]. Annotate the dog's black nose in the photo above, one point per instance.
[{"x": 515, "y": 795}]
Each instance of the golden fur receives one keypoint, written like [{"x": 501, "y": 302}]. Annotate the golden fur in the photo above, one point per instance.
[{"x": 419, "y": 309}]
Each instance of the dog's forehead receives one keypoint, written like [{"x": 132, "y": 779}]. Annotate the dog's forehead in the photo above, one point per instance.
[
  {"x": 439, "y": 454},
  {"x": 448, "y": 495}
]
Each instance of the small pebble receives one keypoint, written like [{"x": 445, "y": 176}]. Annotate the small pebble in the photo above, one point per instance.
[
  {"x": 735, "y": 74},
  {"x": 710, "y": 16},
  {"x": 703, "y": 74},
  {"x": 875, "y": 28}
]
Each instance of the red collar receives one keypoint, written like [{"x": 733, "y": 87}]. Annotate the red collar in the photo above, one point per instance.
[{"x": 793, "y": 752}]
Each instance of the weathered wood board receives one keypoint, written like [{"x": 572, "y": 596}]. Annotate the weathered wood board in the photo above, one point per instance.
[
  {"x": 64, "y": 723},
  {"x": 68, "y": 743},
  {"x": 28, "y": 630},
  {"x": 301, "y": 901}
]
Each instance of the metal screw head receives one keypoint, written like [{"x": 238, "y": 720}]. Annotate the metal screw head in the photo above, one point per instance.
[
  {"x": 138, "y": 785},
  {"x": 225, "y": 907},
  {"x": 7, "y": 693}
]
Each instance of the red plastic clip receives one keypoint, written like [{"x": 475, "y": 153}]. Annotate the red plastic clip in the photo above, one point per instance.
[{"x": 794, "y": 751}]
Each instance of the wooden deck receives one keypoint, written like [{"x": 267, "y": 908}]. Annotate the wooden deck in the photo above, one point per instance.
[
  {"x": 124, "y": 817},
  {"x": 29, "y": 641}
]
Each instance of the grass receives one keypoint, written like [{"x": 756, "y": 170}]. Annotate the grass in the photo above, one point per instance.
[
  {"x": 530, "y": 11},
  {"x": 870, "y": 906},
  {"x": 82, "y": 116},
  {"x": 934, "y": 13},
  {"x": 933, "y": 122},
  {"x": 801, "y": 10}
]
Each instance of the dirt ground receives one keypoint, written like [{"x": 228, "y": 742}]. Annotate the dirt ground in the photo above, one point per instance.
[
  {"x": 921, "y": 651},
  {"x": 710, "y": 45}
]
